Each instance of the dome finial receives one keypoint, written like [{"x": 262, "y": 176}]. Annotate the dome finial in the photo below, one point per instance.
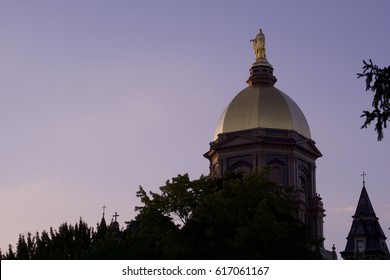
[
  {"x": 259, "y": 46},
  {"x": 261, "y": 71}
]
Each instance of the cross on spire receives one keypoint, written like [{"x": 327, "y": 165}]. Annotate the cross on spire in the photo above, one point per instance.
[
  {"x": 104, "y": 209},
  {"x": 364, "y": 175},
  {"x": 115, "y": 216}
]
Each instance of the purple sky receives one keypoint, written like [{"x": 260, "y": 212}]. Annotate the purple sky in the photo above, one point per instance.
[{"x": 99, "y": 97}]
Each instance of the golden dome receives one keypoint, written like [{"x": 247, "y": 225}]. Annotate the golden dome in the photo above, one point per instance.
[{"x": 262, "y": 106}]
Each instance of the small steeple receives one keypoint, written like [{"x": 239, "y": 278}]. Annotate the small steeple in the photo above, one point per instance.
[
  {"x": 102, "y": 227},
  {"x": 364, "y": 207},
  {"x": 261, "y": 71},
  {"x": 114, "y": 226},
  {"x": 104, "y": 209},
  {"x": 103, "y": 221},
  {"x": 366, "y": 239}
]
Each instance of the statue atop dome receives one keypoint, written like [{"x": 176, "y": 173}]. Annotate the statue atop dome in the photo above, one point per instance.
[{"x": 259, "y": 46}]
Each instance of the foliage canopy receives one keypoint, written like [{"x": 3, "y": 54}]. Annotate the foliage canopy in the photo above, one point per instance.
[
  {"x": 377, "y": 81},
  {"x": 235, "y": 217}
]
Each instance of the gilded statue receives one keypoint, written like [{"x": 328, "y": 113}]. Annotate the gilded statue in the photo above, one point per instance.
[{"x": 259, "y": 46}]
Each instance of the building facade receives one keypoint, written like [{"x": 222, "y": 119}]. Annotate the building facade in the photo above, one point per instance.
[{"x": 263, "y": 127}]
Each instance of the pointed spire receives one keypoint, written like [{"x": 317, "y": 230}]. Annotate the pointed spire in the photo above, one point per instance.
[
  {"x": 364, "y": 207},
  {"x": 102, "y": 227},
  {"x": 365, "y": 240},
  {"x": 104, "y": 209},
  {"x": 103, "y": 224},
  {"x": 103, "y": 220}
]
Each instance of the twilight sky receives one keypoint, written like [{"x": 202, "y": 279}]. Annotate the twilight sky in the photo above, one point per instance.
[{"x": 99, "y": 97}]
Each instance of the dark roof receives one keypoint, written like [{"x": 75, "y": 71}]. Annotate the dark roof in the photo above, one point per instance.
[
  {"x": 364, "y": 207},
  {"x": 103, "y": 223},
  {"x": 366, "y": 225},
  {"x": 114, "y": 226}
]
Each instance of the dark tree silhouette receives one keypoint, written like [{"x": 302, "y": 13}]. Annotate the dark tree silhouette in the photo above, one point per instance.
[
  {"x": 68, "y": 242},
  {"x": 377, "y": 81},
  {"x": 10, "y": 255},
  {"x": 234, "y": 217}
]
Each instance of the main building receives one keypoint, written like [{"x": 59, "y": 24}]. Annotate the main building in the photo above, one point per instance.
[{"x": 263, "y": 127}]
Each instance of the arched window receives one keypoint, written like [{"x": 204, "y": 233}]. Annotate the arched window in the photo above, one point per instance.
[
  {"x": 305, "y": 181},
  {"x": 302, "y": 183},
  {"x": 276, "y": 175},
  {"x": 242, "y": 169}
]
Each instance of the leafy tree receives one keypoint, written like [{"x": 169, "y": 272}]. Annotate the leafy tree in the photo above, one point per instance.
[
  {"x": 233, "y": 217},
  {"x": 43, "y": 245},
  {"x": 178, "y": 198},
  {"x": 68, "y": 242},
  {"x": 108, "y": 247},
  {"x": 22, "y": 250},
  {"x": 10, "y": 255},
  {"x": 377, "y": 81},
  {"x": 152, "y": 235}
]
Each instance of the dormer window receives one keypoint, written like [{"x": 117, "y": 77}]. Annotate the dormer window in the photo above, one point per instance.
[{"x": 360, "y": 246}]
